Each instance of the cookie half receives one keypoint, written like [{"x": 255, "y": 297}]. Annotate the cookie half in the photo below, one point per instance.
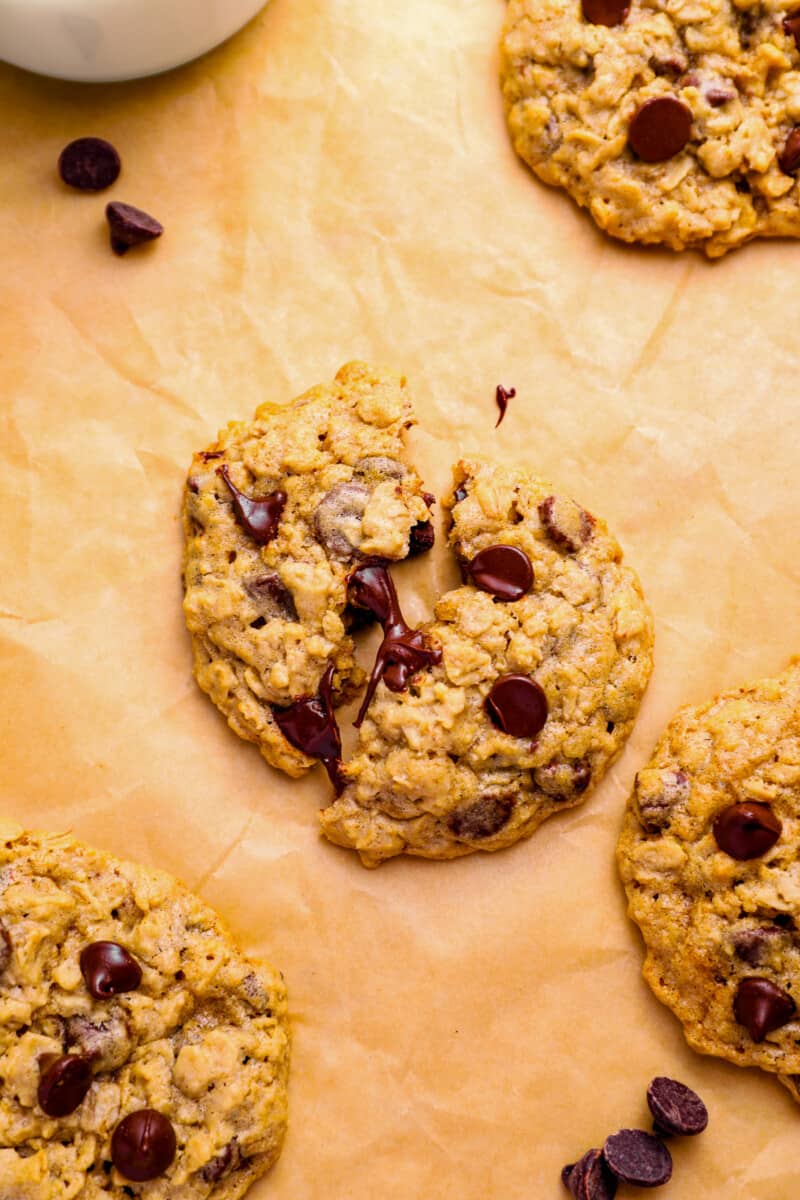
[
  {"x": 276, "y": 513},
  {"x": 709, "y": 858},
  {"x": 141, "y": 1053},
  {"x": 545, "y": 654},
  {"x": 674, "y": 124}
]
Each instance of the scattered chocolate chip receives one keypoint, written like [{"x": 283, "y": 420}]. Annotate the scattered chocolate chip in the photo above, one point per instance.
[
  {"x": 563, "y": 779},
  {"x": 64, "y": 1084},
  {"x": 517, "y": 705},
  {"x": 421, "y": 538},
  {"x": 130, "y": 227},
  {"x": 503, "y": 571},
  {"x": 143, "y": 1145},
  {"x": 789, "y": 157},
  {"x": 501, "y": 397},
  {"x": 5, "y": 949},
  {"x": 747, "y": 830},
  {"x": 658, "y": 792},
  {"x": 404, "y": 650},
  {"x": 676, "y": 1108},
  {"x": 752, "y": 945},
  {"x": 660, "y": 129},
  {"x": 272, "y": 596},
  {"x": 89, "y": 164},
  {"x": 605, "y": 12},
  {"x": 459, "y": 494},
  {"x": 565, "y": 522},
  {"x": 761, "y": 1006},
  {"x": 309, "y": 724},
  {"x": 429, "y": 499},
  {"x": 637, "y": 1157},
  {"x": 377, "y": 467},
  {"x": 209, "y": 455},
  {"x": 337, "y": 521},
  {"x": 260, "y": 517},
  {"x": 590, "y": 1178},
  {"x": 106, "y": 1044},
  {"x": 791, "y": 27},
  {"x": 109, "y": 970},
  {"x": 226, "y": 1162},
  {"x": 717, "y": 96},
  {"x": 482, "y": 819},
  {"x": 674, "y": 65}
]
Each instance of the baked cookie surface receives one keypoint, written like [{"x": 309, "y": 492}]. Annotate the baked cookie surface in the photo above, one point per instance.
[
  {"x": 133, "y": 1034},
  {"x": 541, "y": 671},
  {"x": 709, "y": 858},
  {"x": 671, "y": 123},
  {"x": 320, "y": 484}
]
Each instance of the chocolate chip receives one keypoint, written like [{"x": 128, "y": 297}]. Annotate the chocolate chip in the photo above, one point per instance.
[
  {"x": 5, "y": 949},
  {"x": 791, "y": 27},
  {"x": 637, "y": 1157},
  {"x": 566, "y": 523},
  {"x": 109, "y": 970},
  {"x": 429, "y": 499},
  {"x": 517, "y": 705},
  {"x": 337, "y": 520},
  {"x": 717, "y": 96},
  {"x": 143, "y": 1145},
  {"x": 747, "y": 830},
  {"x": 605, "y": 12},
  {"x": 501, "y": 398},
  {"x": 258, "y": 517},
  {"x": 789, "y": 157},
  {"x": 459, "y": 494},
  {"x": 761, "y": 1006},
  {"x": 271, "y": 595},
  {"x": 503, "y": 571},
  {"x": 421, "y": 538},
  {"x": 226, "y": 1162},
  {"x": 658, "y": 792},
  {"x": 482, "y": 819},
  {"x": 660, "y": 129},
  {"x": 309, "y": 724},
  {"x": 64, "y": 1084},
  {"x": 106, "y": 1044},
  {"x": 752, "y": 945},
  {"x": 377, "y": 467},
  {"x": 89, "y": 164},
  {"x": 674, "y": 65},
  {"x": 590, "y": 1178},
  {"x": 563, "y": 779},
  {"x": 676, "y": 1108},
  {"x": 130, "y": 227}
]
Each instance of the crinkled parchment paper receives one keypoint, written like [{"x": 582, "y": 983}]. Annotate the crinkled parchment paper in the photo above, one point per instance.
[{"x": 337, "y": 182}]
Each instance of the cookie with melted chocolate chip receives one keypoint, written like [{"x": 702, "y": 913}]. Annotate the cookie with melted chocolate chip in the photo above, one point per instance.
[
  {"x": 670, "y": 124},
  {"x": 138, "y": 1045},
  {"x": 708, "y": 855},
  {"x": 535, "y": 671},
  {"x": 277, "y": 514}
]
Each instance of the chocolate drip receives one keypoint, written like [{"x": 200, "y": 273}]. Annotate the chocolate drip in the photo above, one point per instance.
[
  {"x": 310, "y": 725},
  {"x": 259, "y": 517},
  {"x": 404, "y": 650},
  {"x": 502, "y": 396}
]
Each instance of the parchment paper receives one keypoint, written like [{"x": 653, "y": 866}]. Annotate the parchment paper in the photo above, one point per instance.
[{"x": 337, "y": 182}]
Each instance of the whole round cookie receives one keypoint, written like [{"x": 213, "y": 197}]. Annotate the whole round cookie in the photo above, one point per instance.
[
  {"x": 276, "y": 513},
  {"x": 537, "y": 667},
  {"x": 671, "y": 123},
  {"x": 709, "y": 858},
  {"x": 141, "y": 1053}
]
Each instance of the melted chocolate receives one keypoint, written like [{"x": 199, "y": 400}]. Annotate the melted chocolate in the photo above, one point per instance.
[
  {"x": 502, "y": 396},
  {"x": 310, "y": 725},
  {"x": 260, "y": 517},
  {"x": 404, "y": 650}
]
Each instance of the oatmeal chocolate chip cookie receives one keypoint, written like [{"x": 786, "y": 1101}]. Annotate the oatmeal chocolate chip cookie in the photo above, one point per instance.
[
  {"x": 676, "y": 124},
  {"x": 709, "y": 858},
  {"x": 535, "y": 670},
  {"x": 277, "y": 513},
  {"x": 141, "y": 1053}
]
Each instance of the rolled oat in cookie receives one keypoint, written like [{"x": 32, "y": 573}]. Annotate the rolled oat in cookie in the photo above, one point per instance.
[
  {"x": 708, "y": 855},
  {"x": 137, "y": 1044},
  {"x": 540, "y": 662},
  {"x": 278, "y": 512},
  {"x": 674, "y": 124}
]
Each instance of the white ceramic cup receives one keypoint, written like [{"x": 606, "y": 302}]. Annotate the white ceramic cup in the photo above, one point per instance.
[{"x": 105, "y": 40}]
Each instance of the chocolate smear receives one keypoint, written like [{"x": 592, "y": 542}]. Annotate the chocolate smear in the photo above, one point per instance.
[
  {"x": 259, "y": 518},
  {"x": 309, "y": 724},
  {"x": 502, "y": 396}
]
